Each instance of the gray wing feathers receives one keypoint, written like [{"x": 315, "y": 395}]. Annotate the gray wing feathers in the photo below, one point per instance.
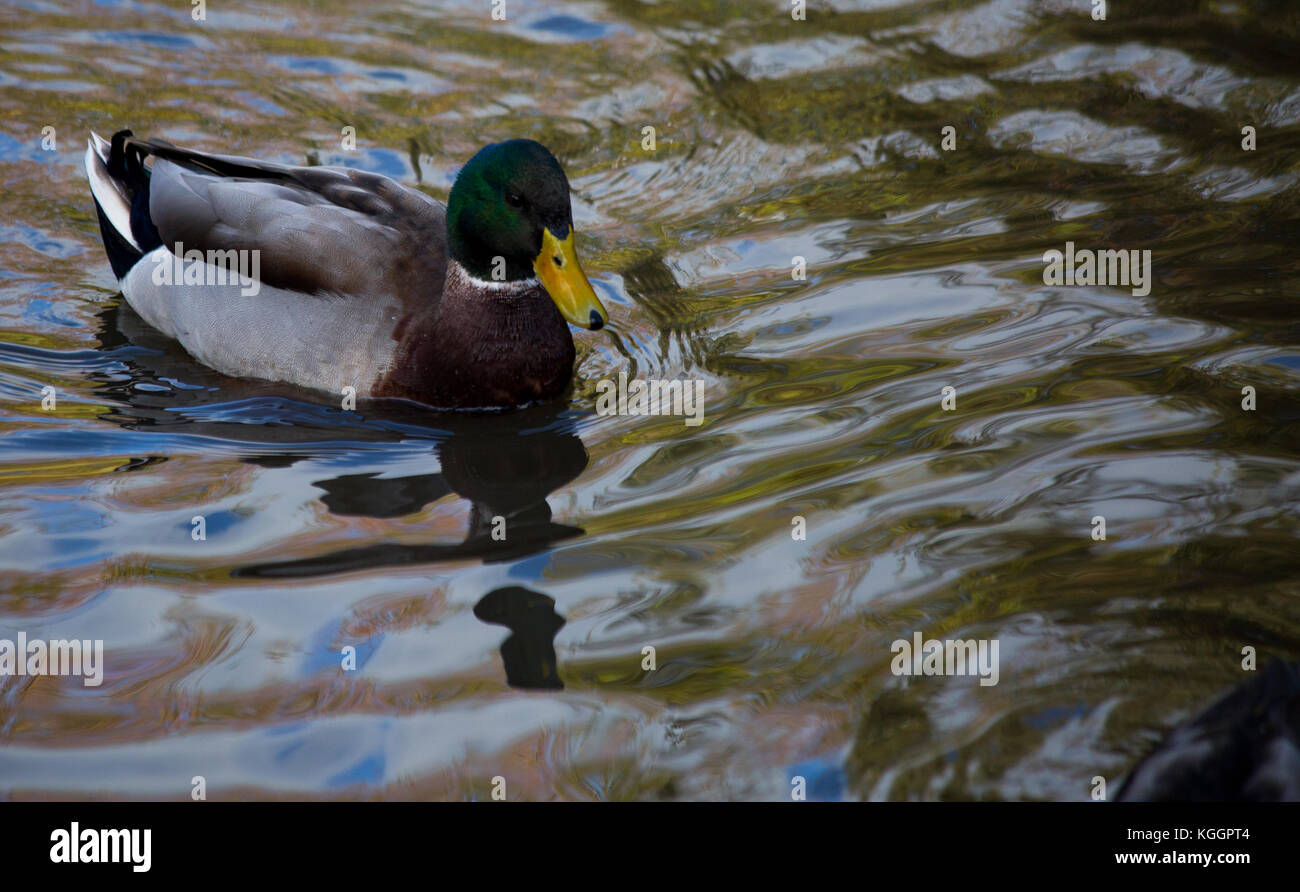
[
  {"x": 343, "y": 256},
  {"x": 318, "y": 230}
]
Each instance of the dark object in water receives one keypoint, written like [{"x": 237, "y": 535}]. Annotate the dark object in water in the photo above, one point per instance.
[
  {"x": 1244, "y": 748},
  {"x": 529, "y": 652}
]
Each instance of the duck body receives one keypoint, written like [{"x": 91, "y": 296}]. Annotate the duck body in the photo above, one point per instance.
[{"x": 347, "y": 278}]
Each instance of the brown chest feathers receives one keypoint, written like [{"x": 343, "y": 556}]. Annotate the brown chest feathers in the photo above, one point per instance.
[{"x": 481, "y": 346}]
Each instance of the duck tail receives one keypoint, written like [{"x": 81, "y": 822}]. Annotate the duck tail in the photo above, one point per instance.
[{"x": 119, "y": 182}]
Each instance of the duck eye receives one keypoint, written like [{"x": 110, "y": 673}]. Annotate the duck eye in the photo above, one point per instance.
[{"x": 514, "y": 199}]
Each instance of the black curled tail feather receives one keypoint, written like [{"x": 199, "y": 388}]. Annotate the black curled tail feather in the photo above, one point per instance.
[{"x": 126, "y": 163}]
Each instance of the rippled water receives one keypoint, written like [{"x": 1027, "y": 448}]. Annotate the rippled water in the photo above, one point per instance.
[{"x": 775, "y": 138}]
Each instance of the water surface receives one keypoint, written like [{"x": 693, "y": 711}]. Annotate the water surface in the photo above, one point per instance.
[{"x": 775, "y": 139}]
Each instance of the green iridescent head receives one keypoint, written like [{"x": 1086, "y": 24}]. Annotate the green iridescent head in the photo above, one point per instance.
[{"x": 509, "y": 219}]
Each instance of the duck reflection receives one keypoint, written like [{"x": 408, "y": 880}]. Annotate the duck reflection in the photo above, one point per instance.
[
  {"x": 501, "y": 471},
  {"x": 529, "y": 652},
  {"x": 504, "y": 464},
  {"x": 369, "y": 495}
]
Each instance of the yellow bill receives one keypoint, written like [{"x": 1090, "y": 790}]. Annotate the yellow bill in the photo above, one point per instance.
[{"x": 561, "y": 275}]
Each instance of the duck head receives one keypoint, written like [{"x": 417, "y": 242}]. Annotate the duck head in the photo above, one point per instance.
[{"x": 509, "y": 220}]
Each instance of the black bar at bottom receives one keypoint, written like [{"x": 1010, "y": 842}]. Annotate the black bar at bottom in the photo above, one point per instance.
[{"x": 342, "y": 841}]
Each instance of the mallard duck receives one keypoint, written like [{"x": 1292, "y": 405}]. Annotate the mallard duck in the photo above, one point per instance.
[{"x": 349, "y": 279}]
